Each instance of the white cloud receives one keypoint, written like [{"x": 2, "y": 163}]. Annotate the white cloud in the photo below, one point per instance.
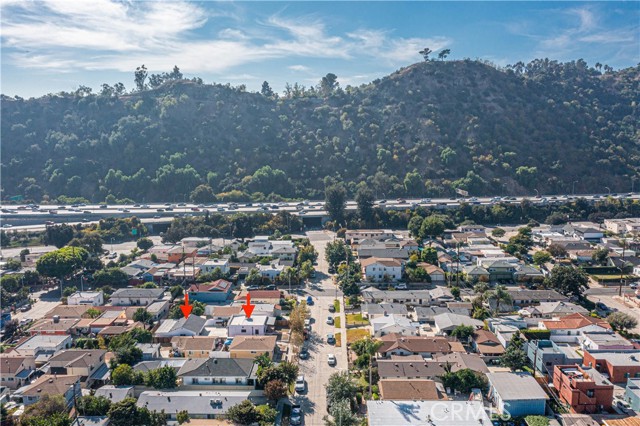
[{"x": 300, "y": 68}]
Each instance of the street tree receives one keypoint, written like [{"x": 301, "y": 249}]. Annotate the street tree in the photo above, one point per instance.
[
  {"x": 432, "y": 227},
  {"x": 341, "y": 415},
  {"x": 567, "y": 280},
  {"x": 541, "y": 256},
  {"x": 275, "y": 389},
  {"x": 144, "y": 244},
  {"x": 244, "y": 413},
  {"x": 340, "y": 387},
  {"x": 62, "y": 262},
  {"x": 514, "y": 356},
  {"x": 335, "y": 202},
  {"x": 364, "y": 201},
  {"x": 622, "y": 321}
]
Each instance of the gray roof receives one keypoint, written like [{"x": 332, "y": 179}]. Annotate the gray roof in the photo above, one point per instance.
[
  {"x": 429, "y": 312},
  {"x": 416, "y": 413},
  {"x": 449, "y": 320},
  {"x": 462, "y": 360},
  {"x": 536, "y": 294},
  {"x": 155, "y": 293},
  {"x": 197, "y": 403},
  {"x": 114, "y": 393},
  {"x": 157, "y": 363},
  {"x": 516, "y": 386},
  {"x": 194, "y": 324},
  {"x": 217, "y": 367},
  {"x": 410, "y": 368},
  {"x": 148, "y": 348},
  {"x": 384, "y": 308},
  {"x": 560, "y": 308},
  {"x": 91, "y": 421}
]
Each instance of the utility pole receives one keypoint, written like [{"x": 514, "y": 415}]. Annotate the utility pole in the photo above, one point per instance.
[
  {"x": 624, "y": 247},
  {"x": 458, "y": 265}
]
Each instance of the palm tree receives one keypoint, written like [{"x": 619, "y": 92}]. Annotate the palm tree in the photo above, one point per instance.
[{"x": 499, "y": 295}]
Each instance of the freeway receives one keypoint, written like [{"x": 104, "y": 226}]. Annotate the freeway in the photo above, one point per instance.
[{"x": 35, "y": 217}]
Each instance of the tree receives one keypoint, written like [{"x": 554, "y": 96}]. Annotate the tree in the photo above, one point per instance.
[
  {"x": 481, "y": 288},
  {"x": 443, "y": 54},
  {"x": 203, "y": 194},
  {"x": 432, "y": 226},
  {"x": 498, "y": 295},
  {"x": 328, "y": 84},
  {"x": 267, "y": 415},
  {"x": 144, "y": 244},
  {"x": 340, "y": 387},
  {"x": 182, "y": 417},
  {"x": 12, "y": 265},
  {"x": 244, "y": 413},
  {"x": 50, "y": 410},
  {"x": 622, "y": 321},
  {"x": 162, "y": 378},
  {"x": 142, "y": 315},
  {"x": 23, "y": 255},
  {"x": 122, "y": 375},
  {"x": 127, "y": 413},
  {"x": 556, "y": 250},
  {"x": 90, "y": 241},
  {"x": 266, "y": 90},
  {"x": 600, "y": 255},
  {"x": 110, "y": 276},
  {"x": 285, "y": 371},
  {"x": 342, "y": 415},
  {"x": 414, "y": 225},
  {"x": 498, "y": 232},
  {"x": 429, "y": 255},
  {"x": 276, "y": 389},
  {"x": 364, "y": 201},
  {"x": 62, "y": 262},
  {"x": 90, "y": 405},
  {"x": 463, "y": 380},
  {"x": 55, "y": 419},
  {"x": 425, "y": 53},
  {"x": 336, "y": 252},
  {"x": 140, "y": 77},
  {"x": 455, "y": 292},
  {"x": 567, "y": 280},
  {"x": 335, "y": 202},
  {"x": 307, "y": 253},
  {"x": 463, "y": 332},
  {"x": 514, "y": 356},
  {"x": 140, "y": 335},
  {"x": 176, "y": 291},
  {"x": 541, "y": 256},
  {"x": 93, "y": 313},
  {"x": 58, "y": 235}
]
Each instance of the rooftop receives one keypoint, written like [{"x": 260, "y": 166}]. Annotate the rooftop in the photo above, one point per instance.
[
  {"x": 155, "y": 293},
  {"x": 114, "y": 393},
  {"x": 516, "y": 386},
  {"x": 619, "y": 359},
  {"x": 253, "y": 343},
  {"x": 217, "y": 367},
  {"x": 50, "y": 385},
  {"x": 253, "y": 320},
  {"x": 194, "y": 343},
  {"x": 575, "y": 321},
  {"x": 422, "y": 413},
  {"x": 194, "y": 324},
  {"x": 414, "y": 343},
  {"x": 211, "y": 403},
  {"x": 42, "y": 341},
  {"x": 393, "y": 389}
]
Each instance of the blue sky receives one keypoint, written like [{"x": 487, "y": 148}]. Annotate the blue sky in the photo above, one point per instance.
[{"x": 49, "y": 46}]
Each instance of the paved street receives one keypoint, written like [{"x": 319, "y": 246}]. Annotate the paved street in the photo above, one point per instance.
[
  {"x": 316, "y": 369},
  {"x": 44, "y": 302}
]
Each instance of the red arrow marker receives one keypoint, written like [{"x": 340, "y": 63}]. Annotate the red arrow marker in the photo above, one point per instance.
[
  {"x": 186, "y": 308},
  {"x": 248, "y": 308}
]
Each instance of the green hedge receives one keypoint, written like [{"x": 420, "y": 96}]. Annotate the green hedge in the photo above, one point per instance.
[{"x": 536, "y": 334}]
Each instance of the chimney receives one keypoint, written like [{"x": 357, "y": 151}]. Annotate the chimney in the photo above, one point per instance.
[{"x": 56, "y": 319}]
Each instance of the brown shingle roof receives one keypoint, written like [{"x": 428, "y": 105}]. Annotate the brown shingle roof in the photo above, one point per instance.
[
  {"x": 253, "y": 343},
  {"x": 381, "y": 260},
  {"x": 460, "y": 361},
  {"x": 193, "y": 343},
  {"x": 10, "y": 365},
  {"x": 409, "y": 369},
  {"x": 219, "y": 285},
  {"x": 414, "y": 343},
  {"x": 487, "y": 343},
  {"x": 392, "y": 389},
  {"x": 51, "y": 385},
  {"x": 68, "y": 311},
  {"x": 47, "y": 325},
  {"x": 78, "y": 358}
]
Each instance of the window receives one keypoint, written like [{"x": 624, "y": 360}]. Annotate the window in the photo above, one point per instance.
[
  {"x": 239, "y": 381},
  {"x": 590, "y": 393},
  {"x": 194, "y": 381},
  {"x": 243, "y": 331}
]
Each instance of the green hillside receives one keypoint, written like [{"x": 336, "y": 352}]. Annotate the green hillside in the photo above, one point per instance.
[{"x": 422, "y": 131}]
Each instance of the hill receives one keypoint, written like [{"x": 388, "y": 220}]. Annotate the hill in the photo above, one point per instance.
[{"x": 422, "y": 131}]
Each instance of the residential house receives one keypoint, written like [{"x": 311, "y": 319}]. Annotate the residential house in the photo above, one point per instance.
[
  {"x": 149, "y": 350},
  {"x": 220, "y": 315},
  {"x": 115, "y": 393},
  {"x": 436, "y": 274},
  {"x": 499, "y": 269},
  {"x": 527, "y": 274},
  {"x": 136, "y": 296},
  {"x": 545, "y": 355},
  {"x": 204, "y": 404},
  {"x": 215, "y": 292},
  {"x": 405, "y": 297},
  {"x": 54, "y": 327},
  {"x": 394, "y": 324},
  {"x": 42, "y": 346},
  {"x": 568, "y": 329},
  {"x": 581, "y": 256},
  {"x": 632, "y": 393},
  {"x": 93, "y": 298},
  {"x": 256, "y": 325},
  {"x": 16, "y": 371},
  {"x": 404, "y": 390},
  {"x": 263, "y": 296},
  {"x": 270, "y": 271},
  {"x": 178, "y": 253},
  {"x": 409, "y": 368},
  {"x": 517, "y": 394},
  {"x": 218, "y": 371},
  {"x": 623, "y": 226},
  {"x": 158, "y": 309},
  {"x": 441, "y": 296},
  {"x": 355, "y": 236},
  {"x": 424, "y": 346},
  {"x": 211, "y": 264},
  {"x": 69, "y": 311},
  {"x": 419, "y": 413},
  {"x": 487, "y": 345},
  {"x": 191, "y": 326},
  {"x": 88, "y": 364},
  {"x": 584, "y": 390},
  {"x": 49, "y": 384},
  {"x": 605, "y": 342},
  {"x": 193, "y": 346},
  {"x": 252, "y": 346},
  {"x": 476, "y": 273},
  {"x": 616, "y": 366},
  {"x": 524, "y": 297},
  {"x": 588, "y": 234},
  {"x": 146, "y": 366},
  {"x": 375, "y": 269},
  {"x": 550, "y": 310},
  {"x": 384, "y": 249},
  {"x": 462, "y": 360},
  {"x": 505, "y": 333},
  {"x": 426, "y": 314},
  {"x": 375, "y": 310},
  {"x": 447, "y": 322}
]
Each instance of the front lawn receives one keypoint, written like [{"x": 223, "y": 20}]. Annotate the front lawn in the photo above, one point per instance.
[
  {"x": 354, "y": 334},
  {"x": 356, "y": 319},
  {"x": 338, "y": 337},
  {"x": 337, "y": 322},
  {"x": 336, "y": 305}
]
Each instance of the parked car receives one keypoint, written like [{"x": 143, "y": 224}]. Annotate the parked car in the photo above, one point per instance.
[
  {"x": 623, "y": 406},
  {"x": 304, "y": 354},
  {"x": 330, "y": 320},
  {"x": 309, "y": 300},
  {"x": 331, "y": 339},
  {"x": 633, "y": 286},
  {"x": 401, "y": 286},
  {"x": 253, "y": 287},
  {"x": 331, "y": 359},
  {"x": 270, "y": 287},
  {"x": 332, "y": 308},
  {"x": 295, "y": 418},
  {"x": 25, "y": 308},
  {"x": 300, "y": 384}
]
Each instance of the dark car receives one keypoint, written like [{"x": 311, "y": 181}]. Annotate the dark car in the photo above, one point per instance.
[
  {"x": 304, "y": 354},
  {"x": 253, "y": 287},
  {"x": 270, "y": 287}
]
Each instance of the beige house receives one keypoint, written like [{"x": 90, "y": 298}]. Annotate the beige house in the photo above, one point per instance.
[
  {"x": 15, "y": 371},
  {"x": 252, "y": 346},
  {"x": 193, "y": 346},
  {"x": 435, "y": 273}
]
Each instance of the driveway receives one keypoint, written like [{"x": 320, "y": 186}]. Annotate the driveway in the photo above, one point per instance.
[{"x": 316, "y": 369}]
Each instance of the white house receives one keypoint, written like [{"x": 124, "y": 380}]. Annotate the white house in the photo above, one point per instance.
[
  {"x": 218, "y": 371},
  {"x": 377, "y": 269},
  {"x": 93, "y": 298},
  {"x": 271, "y": 271},
  {"x": 136, "y": 296},
  {"x": 211, "y": 264},
  {"x": 398, "y": 324},
  {"x": 240, "y": 325},
  {"x": 569, "y": 328},
  {"x": 169, "y": 328}
]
